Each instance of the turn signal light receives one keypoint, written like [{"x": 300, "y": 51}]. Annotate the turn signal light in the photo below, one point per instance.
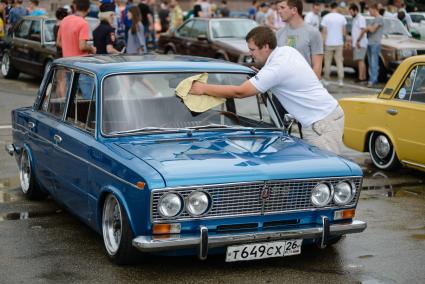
[
  {"x": 344, "y": 214},
  {"x": 159, "y": 229},
  {"x": 140, "y": 184}
]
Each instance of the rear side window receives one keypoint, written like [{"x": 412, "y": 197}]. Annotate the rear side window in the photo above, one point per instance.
[
  {"x": 418, "y": 93},
  {"x": 54, "y": 99},
  {"x": 185, "y": 31},
  {"x": 23, "y": 29}
]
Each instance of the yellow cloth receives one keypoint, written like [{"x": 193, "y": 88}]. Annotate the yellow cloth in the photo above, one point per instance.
[{"x": 197, "y": 103}]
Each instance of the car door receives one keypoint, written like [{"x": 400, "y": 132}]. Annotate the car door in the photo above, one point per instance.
[
  {"x": 200, "y": 45},
  {"x": 44, "y": 128},
  {"x": 408, "y": 112},
  {"x": 75, "y": 137},
  {"x": 19, "y": 48},
  {"x": 182, "y": 38},
  {"x": 34, "y": 48}
]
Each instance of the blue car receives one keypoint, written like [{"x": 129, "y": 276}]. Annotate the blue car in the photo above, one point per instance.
[{"x": 108, "y": 138}]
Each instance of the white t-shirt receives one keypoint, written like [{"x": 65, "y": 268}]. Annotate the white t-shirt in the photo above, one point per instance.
[
  {"x": 359, "y": 23},
  {"x": 312, "y": 19},
  {"x": 334, "y": 24},
  {"x": 290, "y": 78}
]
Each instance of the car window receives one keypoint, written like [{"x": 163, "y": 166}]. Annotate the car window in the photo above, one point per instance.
[
  {"x": 54, "y": 99},
  {"x": 81, "y": 102},
  {"x": 49, "y": 35},
  {"x": 35, "y": 31},
  {"x": 199, "y": 28},
  {"x": 406, "y": 88},
  {"x": 418, "y": 93},
  {"x": 186, "y": 29},
  {"x": 232, "y": 28},
  {"x": 24, "y": 29},
  {"x": 416, "y": 18}
]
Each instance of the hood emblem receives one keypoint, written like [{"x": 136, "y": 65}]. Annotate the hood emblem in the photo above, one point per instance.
[{"x": 265, "y": 193}]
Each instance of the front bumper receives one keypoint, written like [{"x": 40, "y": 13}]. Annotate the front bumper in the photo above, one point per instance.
[{"x": 203, "y": 241}]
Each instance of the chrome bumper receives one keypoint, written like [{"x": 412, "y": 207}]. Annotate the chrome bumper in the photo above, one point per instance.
[
  {"x": 10, "y": 149},
  {"x": 203, "y": 240}
]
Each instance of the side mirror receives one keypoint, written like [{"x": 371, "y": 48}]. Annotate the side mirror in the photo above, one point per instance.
[{"x": 202, "y": 37}]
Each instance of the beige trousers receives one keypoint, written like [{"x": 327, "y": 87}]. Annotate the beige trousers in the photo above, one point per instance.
[
  {"x": 327, "y": 133},
  {"x": 330, "y": 53}
]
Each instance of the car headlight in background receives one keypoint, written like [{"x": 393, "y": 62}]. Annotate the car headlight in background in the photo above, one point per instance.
[
  {"x": 198, "y": 203},
  {"x": 344, "y": 193},
  {"x": 405, "y": 53},
  {"x": 170, "y": 205},
  {"x": 245, "y": 59},
  {"x": 321, "y": 194}
]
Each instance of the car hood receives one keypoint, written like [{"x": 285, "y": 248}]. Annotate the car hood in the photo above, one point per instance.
[
  {"x": 237, "y": 159},
  {"x": 235, "y": 43},
  {"x": 402, "y": 42}
]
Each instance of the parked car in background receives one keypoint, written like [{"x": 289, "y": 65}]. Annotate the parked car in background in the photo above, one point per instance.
[
  {"x": 221, "y": 38},
  {"x": 418, "y": 25},
  {"x": 108, "y": 138},
  {"x": 396, "y": 45},
  {"x": 30, "y": 48},
  {"x": 390, "y": 126}
]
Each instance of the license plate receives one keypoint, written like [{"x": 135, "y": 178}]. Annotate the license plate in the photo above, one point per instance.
[{"x": 263, "y": 250}]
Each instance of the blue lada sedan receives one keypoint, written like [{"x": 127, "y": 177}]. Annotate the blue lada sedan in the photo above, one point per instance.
[{"x": 108, "y": 138}]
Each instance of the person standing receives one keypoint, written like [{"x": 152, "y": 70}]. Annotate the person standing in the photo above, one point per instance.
[
  {"x": 334, "y": 32},
  {"x": 375, "y": 32},
  {"x": 252, "y": 10},
  {"x": 359, "y": 44},
  {"x": 136, "y": 42},
  {"x": 297, "y": 34},
  {"x": 289, "y": 77},
  {"x": 224, "y": 11},
  {"x": 176, "y": 14},
  {"x": 206, "y": 8},
  {"x": 104, "y": 37},
  {"x": 312, "y": 18},
  {"x": 74, "y": 32},
  {"x": 16, "y": 13},
  {"x": 35, "y": 10},
  {"x": 60, "y": 14},
  {"x": 164, "y": 16},
  {"x": 262, "y": 13}
]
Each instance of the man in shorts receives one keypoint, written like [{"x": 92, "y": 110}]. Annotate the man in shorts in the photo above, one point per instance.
[{"x": 359, "y": 43}]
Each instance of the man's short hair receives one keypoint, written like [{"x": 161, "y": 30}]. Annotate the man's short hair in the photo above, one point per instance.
[
  {"x": 35, "y": 2},
  {"x": 354, "y": 7},
  {"x": 294, "y": 4},
  {"x": 316, "y": 4},
  {"x": 261, "y": 36},
  {"x": 82, "y": 5},
  {"x": 374, "y": 6},
  {"x": 334, "y": 5}
]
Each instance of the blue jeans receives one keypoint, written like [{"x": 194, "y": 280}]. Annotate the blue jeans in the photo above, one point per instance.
[{"x": 373, "y": 51}]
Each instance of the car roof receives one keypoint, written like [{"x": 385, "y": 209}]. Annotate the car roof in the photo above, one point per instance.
[
  {"x": 108, "y": 64},
  {"x": 38, "y": 18}
]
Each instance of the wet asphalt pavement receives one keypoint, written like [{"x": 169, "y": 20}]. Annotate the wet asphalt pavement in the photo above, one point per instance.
[{"x": 42, "y": 243}]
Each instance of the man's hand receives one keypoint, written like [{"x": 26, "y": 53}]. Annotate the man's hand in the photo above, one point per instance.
[
  {"x": 358, "y": 44},
  {"x": 197, "y": 89}
]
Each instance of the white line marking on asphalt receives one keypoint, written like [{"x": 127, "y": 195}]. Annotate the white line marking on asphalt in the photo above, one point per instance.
[
  {"x": 5, "y": 126},
  {"x": 355, "y": 87}
]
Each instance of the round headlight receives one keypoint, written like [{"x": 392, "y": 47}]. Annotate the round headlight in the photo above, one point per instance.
[
  {"x": 343, "y": 193},
  {"x": 197, "y": 203},
  {"x": 321, "y": 195},
  {"x": 170, "y": 205}
]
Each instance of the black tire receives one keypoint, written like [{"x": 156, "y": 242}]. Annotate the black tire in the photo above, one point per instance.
[
  {"x": 115, "y": 222},
  {"x": 7, "y": 69},
  {"x": 169, "y": 51},
  {"x": 29, "y": 185},
  {"x": 383, "y": 72},
  {"x": 382, "y": 152},
  {"x": 220, "y": 57}
]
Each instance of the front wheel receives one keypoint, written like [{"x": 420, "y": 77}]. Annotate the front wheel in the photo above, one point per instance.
[
  {"x": 117, "y": 234},
  {"x": 7, "y": 69},
  {"x": 382, "y": 152}
]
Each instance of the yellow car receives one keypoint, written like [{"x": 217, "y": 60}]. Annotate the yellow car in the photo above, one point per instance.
[{"x": 391, "y": 126}]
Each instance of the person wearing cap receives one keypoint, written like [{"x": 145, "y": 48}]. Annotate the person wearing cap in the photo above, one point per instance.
[
  {"x": 292, "y": 81},
  {"x": 104, "y": 37}
]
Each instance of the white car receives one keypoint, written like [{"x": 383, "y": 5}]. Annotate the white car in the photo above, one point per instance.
[{"x": 418, "y": 25}]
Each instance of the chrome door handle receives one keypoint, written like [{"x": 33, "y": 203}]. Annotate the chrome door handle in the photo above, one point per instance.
[
  {"x": 31, "y": 125},
  {"x": 57, "y": 138},
  {"x": 392, "y": 111}
]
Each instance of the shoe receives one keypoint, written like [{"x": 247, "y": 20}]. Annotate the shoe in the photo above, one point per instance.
[
  {"x": 340, "y": 83},
  {"x": 371, "y": 85},
  {"x": 360, "y": 81}
]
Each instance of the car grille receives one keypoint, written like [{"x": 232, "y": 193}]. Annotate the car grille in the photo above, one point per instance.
[
  {"x": 420, "y": 51},
  {"x": 244, "y": 199}
]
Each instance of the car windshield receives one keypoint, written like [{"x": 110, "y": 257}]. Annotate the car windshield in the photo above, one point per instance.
[
  {"x": 392, "y": 26},
  {"x": 136, "y": 103},
  {"x": 417, "y": 18},
  {"x": 48, "y": 31},
  {"x": 232, "y": 28}
]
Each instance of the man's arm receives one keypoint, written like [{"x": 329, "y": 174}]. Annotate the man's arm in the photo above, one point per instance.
[
  {"x": 373, "y": 28},
  {"x": 224, "y": 91},
  {"x": 324, "y": 33},
  {"x": 316, "y": 64},
  {"x": 84, "y": 46}
]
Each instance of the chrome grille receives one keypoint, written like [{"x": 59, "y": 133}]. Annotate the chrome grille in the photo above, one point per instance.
[{"x": 243, "y": 199}]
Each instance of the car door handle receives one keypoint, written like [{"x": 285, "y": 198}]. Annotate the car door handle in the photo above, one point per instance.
[
  {"x": 57, "y": 138},
  {"x": 392, "y": 111},
  {"x": 31, "y": 125}
]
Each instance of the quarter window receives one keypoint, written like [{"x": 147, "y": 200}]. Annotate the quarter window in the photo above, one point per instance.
[
  {"x": 418, "y": 93},
  {"x": 56, "y": 91},
  {"x": 406, "y": 88}
]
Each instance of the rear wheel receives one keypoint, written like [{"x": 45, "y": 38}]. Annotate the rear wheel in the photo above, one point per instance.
[
  {"x": 170, "y": 51},
  {"x": 29, "y": 185},
  {"x": 382, "y": 152},
  {"x": 7, "y": 70},
  {"x": 117, "y": 234}
]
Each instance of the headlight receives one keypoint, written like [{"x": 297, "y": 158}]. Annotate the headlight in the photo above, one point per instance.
[
  {"x": 197, "y": 203},
  {"x": 321, "y": 194},
  {"x": 170, "y": 205},
  {"x": 344, "y": 193}
]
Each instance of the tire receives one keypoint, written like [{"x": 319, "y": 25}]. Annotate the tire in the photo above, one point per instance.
[
  {"x": 29, "y": 185},
  {"x": 382, "y": 152},
  {"x": 170, "y": 51},
  {"x": 7, "y": 70},
  {"x": 117, "y": 234},
  {"x": 220, "y": 57}
]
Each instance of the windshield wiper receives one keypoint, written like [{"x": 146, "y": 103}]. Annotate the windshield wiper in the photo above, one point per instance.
[{"x": 149, "y": 129}]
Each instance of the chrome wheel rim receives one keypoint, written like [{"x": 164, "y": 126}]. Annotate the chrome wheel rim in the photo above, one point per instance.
[
  {"x": 382, "y": 146},
  {"x": 5, "y": 63},
  {"x": 112, "y": 224},
  {"x": 25, "y": 172}
]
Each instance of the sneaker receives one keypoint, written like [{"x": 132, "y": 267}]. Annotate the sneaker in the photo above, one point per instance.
[
  {"x": 371, "y": 85},
  {"x": 340, "y": 83},
  {"x": 360, "y": 81}
]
